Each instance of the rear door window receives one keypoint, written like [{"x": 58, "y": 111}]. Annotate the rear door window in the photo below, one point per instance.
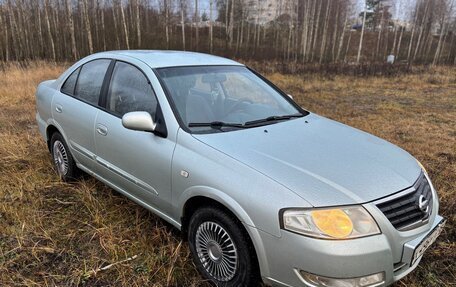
[{"x": 88, "y": 86}]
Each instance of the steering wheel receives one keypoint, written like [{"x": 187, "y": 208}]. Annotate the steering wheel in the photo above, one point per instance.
[{"x": 237, "y": 105}]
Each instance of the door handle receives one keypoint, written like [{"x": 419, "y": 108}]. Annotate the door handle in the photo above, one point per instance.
[
  {"x": 102, "y": 130},
  {"x": 58, "y": 108}
]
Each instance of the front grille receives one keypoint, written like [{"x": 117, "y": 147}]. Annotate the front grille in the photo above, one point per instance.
[{"x": 411, "y": 209}]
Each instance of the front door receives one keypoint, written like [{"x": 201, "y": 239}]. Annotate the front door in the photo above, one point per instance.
[{"x": 139, "y": 163}]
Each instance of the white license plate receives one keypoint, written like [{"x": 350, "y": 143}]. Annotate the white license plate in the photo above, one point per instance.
[{"x": 427, "y": 241}]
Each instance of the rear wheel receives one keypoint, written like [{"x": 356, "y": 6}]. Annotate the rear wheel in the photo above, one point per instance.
[
  {"x": 221, "y": 249},
  {"x": 63, "y": 161}
]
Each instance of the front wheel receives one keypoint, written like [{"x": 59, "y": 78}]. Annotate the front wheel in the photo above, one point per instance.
[
  {"x": 221, "y": 249},
  {"x": 63, "y": 161}
]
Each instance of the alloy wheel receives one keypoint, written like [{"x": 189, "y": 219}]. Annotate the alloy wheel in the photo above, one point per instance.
[
  {"x": 60, "y": 158},
  {"x": 216, "y": 251}
]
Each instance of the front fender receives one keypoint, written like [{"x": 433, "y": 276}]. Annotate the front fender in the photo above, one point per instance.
[{"x": 217, "y": 195}]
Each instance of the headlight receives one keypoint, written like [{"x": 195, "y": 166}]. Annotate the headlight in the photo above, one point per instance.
[{"x": 330, "y": 223}]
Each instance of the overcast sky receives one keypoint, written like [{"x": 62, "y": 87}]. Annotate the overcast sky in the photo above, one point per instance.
[{"x": 401, "y": 9}]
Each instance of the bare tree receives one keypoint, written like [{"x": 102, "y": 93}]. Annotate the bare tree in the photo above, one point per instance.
[
  {"x": 317, "y": 22},
  {"x": 312, "y": 31},
  {"x": 360, "y": 47},
  {"x": 40, "y": 30},
  {"x": 211, "y": 32},
  {"x": 446, "y": 13},
  {"x": 114, "y": 17},
  {"x": 103, "y": 27},
  {"x": 182, "y": 7},
  {"x": 87, "y": 25},
  {"x": 240, "y": 38},
  {"x": 138, "y": 23},
  {"x": 382, "y": 11},
  {"x": 413, "y": 33},
  {"x": 95, "y": 22},
  {"x": 48, "y": 25},
  {"x": 4, "y": 24},
  {"x": 231, "y": 24},
  {"x": 69, "y": 10},
  {"x": 422, "y": 29},
  {"x": 22, "y": 29},
  {"x": 393, "y": 48},
  {"x": 166, "y": 8},
  {"x": 227, "y": 2},
  {"x": 335, "y": 32},
  {"x": 12, "y": 21},
  {"x": 325, "y": 31},
  {"x": 348, "y": 46},
  {"x": 256, "y": 38},
  {"x": 124, "y": 24},
  {"x": 341, "y": 40},
  {"x": 196, "y": 20},
  {"x": 399, "y": 42}
]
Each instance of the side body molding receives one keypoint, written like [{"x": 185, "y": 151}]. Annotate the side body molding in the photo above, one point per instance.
[{"x": 126, "y": 175}]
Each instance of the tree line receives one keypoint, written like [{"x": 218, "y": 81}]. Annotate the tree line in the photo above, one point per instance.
[{"x": 302, "y": 31}]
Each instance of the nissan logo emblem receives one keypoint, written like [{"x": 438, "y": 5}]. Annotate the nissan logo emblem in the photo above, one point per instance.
[{"x": 423, "y": 204}]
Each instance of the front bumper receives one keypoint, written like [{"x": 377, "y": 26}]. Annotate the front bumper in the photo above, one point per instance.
[{"x": 390, "y": 252}]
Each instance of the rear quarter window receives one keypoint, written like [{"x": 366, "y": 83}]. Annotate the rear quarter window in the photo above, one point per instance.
[{"x": 70, "y": 83}]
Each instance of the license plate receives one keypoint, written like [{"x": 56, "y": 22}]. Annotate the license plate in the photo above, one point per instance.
[{"x": 427, "y": 241}]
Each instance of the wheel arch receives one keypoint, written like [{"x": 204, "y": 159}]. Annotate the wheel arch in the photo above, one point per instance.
[
  {"x": 50, "y": 130},
  {"x": 197, "y": 198}
]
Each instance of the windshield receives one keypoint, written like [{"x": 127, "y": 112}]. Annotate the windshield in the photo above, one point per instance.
[{"x": 208, "y": 98}]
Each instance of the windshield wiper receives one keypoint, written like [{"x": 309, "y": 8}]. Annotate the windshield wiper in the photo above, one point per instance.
[
  {"x": 216, "y": 125},
  {"x": 273, "y": 119},
  {"x": 249, "y": 124}
]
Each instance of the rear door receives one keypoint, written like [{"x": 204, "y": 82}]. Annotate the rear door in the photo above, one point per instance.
[
  {"x": 75, "y": 108},
  {"x": 137, "y": 162}
]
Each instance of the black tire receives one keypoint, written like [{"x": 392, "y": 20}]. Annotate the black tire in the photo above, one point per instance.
[
  {"x": 71, "y": 172},
  {"x": 246, "y": 267}
]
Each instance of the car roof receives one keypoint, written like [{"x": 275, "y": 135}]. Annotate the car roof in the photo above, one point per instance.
[{"x": 167, "y": 58}]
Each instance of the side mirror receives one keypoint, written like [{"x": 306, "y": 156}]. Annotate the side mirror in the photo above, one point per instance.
[
  {"x": 139, "y": 121},
  {"x": 290, "y": 96}
]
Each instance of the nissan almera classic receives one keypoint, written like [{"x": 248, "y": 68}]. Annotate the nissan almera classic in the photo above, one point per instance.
[{"x": 261, "y": 188}]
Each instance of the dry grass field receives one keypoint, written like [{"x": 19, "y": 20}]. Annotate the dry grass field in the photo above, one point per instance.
[{"x": 56, "y": 234}]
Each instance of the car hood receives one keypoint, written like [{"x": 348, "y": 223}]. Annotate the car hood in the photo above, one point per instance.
[{"x": 325, "y": 162}]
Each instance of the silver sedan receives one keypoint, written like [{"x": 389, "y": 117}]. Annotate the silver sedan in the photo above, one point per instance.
[{"x": 262, "y": 189}]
